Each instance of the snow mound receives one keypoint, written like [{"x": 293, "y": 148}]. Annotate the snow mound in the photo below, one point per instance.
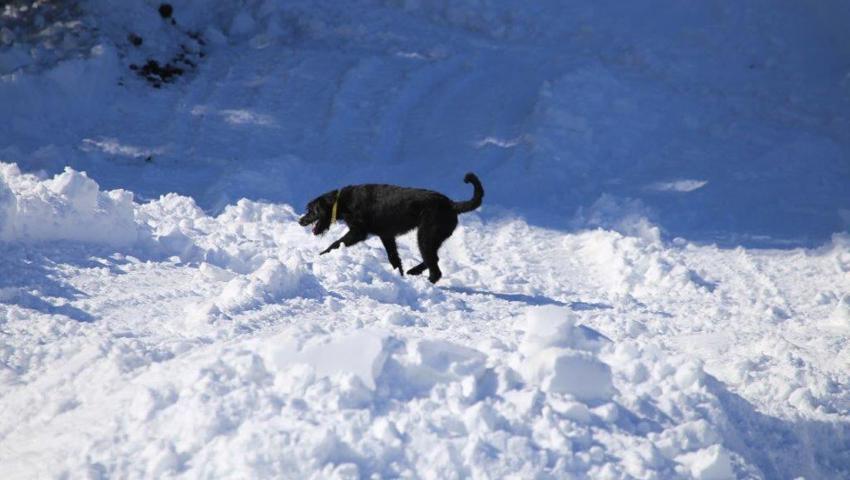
[
  {"x": 273, "y": 281},
  {"x": 561, "y": 370},
  {"x": 70, "y": 206}
]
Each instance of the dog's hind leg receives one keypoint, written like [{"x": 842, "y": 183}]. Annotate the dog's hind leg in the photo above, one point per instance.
[
  {"x": 392, "y": 252},
  {"x": 350, "y": 238},
  {"x": 435, "y": 227}
]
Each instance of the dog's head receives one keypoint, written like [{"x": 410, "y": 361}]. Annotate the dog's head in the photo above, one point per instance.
[{"x": 319, "y": 212}]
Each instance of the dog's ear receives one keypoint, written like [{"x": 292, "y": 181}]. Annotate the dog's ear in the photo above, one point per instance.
[
  {"x": 326, "y": 201},
  {"x": 321, "y": 202}
]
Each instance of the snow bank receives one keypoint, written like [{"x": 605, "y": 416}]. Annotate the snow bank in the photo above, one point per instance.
[
  {"x": 70, "y": 206},
  {"x": 248, "y": 249}
]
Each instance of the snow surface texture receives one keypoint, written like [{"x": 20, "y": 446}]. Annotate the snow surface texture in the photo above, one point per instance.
[{"x": 162, "y": 314}]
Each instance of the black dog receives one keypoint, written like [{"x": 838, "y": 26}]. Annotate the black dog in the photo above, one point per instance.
[{"x": 388, "y": 211}]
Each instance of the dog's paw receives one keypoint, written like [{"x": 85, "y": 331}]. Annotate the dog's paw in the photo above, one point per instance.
[{"x": 417, "y": 269}]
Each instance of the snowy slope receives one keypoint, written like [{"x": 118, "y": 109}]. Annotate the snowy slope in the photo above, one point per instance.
[
  {"x": 726, "y": 123},
  {"x": 605, "y": 315}
]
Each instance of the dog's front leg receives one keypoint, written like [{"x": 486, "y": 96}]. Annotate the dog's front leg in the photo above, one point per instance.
[
  {"x": 392, "y": 252},
  {"x": 350, "y": 238}
]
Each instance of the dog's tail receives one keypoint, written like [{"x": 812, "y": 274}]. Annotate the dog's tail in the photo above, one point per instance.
[{"x": 470, "y": 205}]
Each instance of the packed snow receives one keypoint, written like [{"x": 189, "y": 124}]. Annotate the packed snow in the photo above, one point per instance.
[{"x": 613, "y": 311}]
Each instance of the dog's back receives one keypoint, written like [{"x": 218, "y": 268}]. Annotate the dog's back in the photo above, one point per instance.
[{"x": 394, "y": 210}]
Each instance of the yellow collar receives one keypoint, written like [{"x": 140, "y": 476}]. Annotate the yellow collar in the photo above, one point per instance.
[{"x": 334, "y": 208}]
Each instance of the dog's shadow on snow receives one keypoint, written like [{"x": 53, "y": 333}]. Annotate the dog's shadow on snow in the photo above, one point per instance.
[{"x": 535, "y": 300}]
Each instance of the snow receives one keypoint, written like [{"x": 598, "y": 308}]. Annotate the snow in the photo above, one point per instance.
[{"x": 657, "y": 286}]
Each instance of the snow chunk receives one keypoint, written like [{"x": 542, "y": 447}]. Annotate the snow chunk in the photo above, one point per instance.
[
  {"x": 79, "y": 189},
  {"x": 554, "y": 326},
  {"x": 639, "y": 267},
  {"x": 499, "y": 142},
  {"x": 246, "y": 117},
  {"x": 628, "y": 216},
  {"x": 561, "y": 356},
  {"x": 562, "y": 370},
  {"x": 445, "y": 360},
  {"x": 575, "y": 411}
]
